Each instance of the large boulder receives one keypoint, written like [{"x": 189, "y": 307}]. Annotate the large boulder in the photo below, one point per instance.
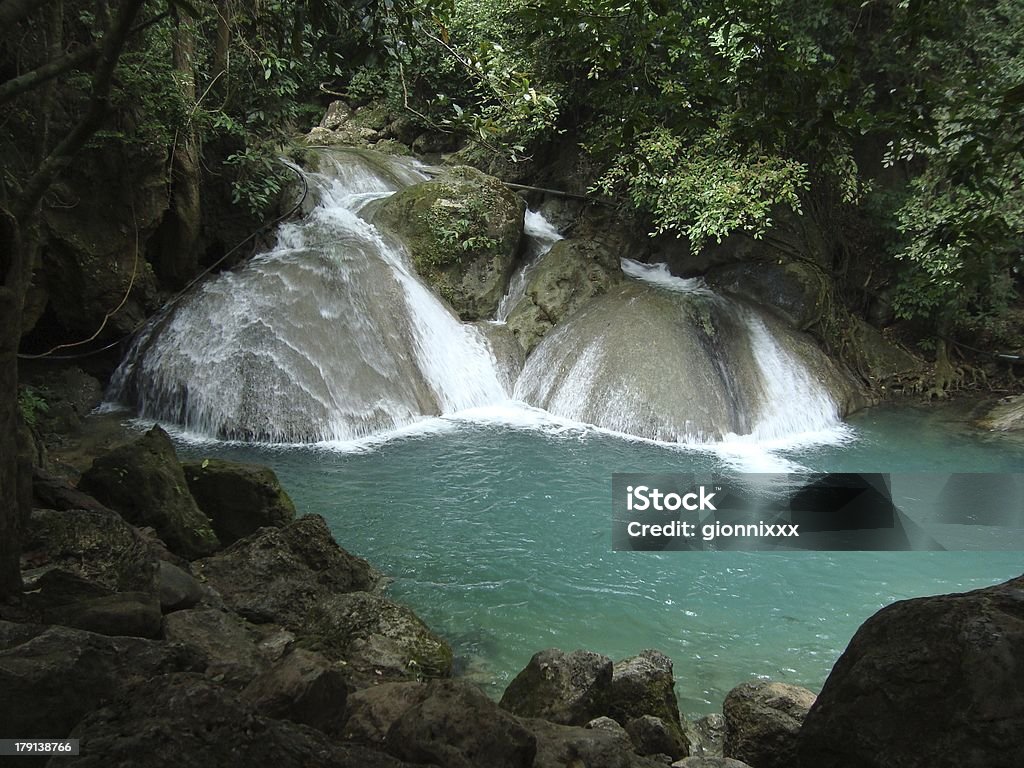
[
  {"x": 565, "y": 688},
  {"x": 129, "y": 614},
  {"x": 762, "y": 720},
  {"x": 794, "y": 290},
  {"x": 653, "y": 736},
  {"x": 371, "y": 712},
  {"x": 52, "y": 678},
  {"x": 644, "y": 685},
  {"x": 457, "y": 726},
  {"x": 568, "y": 275},
  {"x": 303, "y": 687},
  {"x": 229, "y": 649},
  {"x": 925, "y": 682},
  {"x": 561, "y": 745},
  {"x": 375, "y": 637},
  {"x": 463, "y": 230},
  {"x": 174, "y": 718},
  {"x": 280, "y": 574},
  {"x": 96, "y": 545},
  {"x": 145, "y": 483},
  {"x": 238, "y": 498}
]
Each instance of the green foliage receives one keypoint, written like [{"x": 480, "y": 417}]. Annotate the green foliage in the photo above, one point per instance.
[
  {"x": 457, "y": 225},
  {"x": 705, "y": 189},
  {"x": 963, "y": 223},
  {"x": 258, "y": 178},
  {"x": 31, "y": 403}
]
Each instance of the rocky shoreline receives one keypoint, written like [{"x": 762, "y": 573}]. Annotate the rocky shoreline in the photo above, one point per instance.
[{"x": 180, "y": 611}]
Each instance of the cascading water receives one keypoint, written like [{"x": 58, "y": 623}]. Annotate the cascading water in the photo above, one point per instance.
[
  {"x": 329, "y": 336},
  {"x": 540, "y": 235},
  {"x": 667, "y": 359}
]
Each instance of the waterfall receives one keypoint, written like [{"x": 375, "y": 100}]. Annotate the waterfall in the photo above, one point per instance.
[
  {"x": 331, "y": 336},
  {"x": 328, "y": 336},
  {"x": 665, "y": 358},
  {"x": 540, "y": 235}
]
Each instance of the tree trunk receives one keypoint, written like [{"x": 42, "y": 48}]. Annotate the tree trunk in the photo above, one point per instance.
[
  {"x": 178, "y": 259},
  {"x": 18, "y": 245},
  {"x": 11, "y": 484}
]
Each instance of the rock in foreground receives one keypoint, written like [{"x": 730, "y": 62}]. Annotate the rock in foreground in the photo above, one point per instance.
[
  {"x": 762, "y": 721},
  {"x": 927, "y": 682},
  {"x": 144, "y": 482}
]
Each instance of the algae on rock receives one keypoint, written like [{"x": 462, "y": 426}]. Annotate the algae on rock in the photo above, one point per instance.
[{"x": 463, "y": 230}]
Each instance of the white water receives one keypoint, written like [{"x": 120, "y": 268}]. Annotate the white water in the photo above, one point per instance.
[
  {"x": 331, "y": 338},
  {"x": 541, "y": 235},
  {"x": 659, "y": 276}
]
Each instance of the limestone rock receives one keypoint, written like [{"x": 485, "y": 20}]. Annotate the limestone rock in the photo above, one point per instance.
[
  {"x": 372, "y": 711},
  {"x": 559, "y": 746},
  {"x": 160, "y": 722},
  {"x": 128, "y": 614},
  {"x": 457, "y": 726},
  {"x": 227, "y": 647},
  {"x": 762, "y": 720},
  {"x": 280, "y": 574},
  {"x": 303, "y": 687},
  {"x": 95, "y": 545},
  {"x": 238, "y": 498},
  {"x": 144, "y": 482},
  {"x": 95, "y": 249},
  {"x": 927, "y": 682},
  {"x": 175, "y": 588},
  {"x": 566, "y": 688},
  {"x": 375, "y": 637},
  {"x": 653, "y": 736},
  {"x": 644, "y": 685},
  {"x": 463, "y": 230},
  {"x": 565, "y": 278},
  {"x": 50, "y": 680},
  {"x": 795, "y": 291}
]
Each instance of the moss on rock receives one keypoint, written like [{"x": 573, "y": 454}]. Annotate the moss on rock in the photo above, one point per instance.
[{"x": 463, "y": 230}]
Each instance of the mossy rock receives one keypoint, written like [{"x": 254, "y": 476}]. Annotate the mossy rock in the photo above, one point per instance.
[
  {"x": 144, "y": 482},
  {"x": 463, "y": 231},
  {"x": 375, "y": 635},
  {"x": 570, "y": 274},
  {"x": 238, "y": 498}
]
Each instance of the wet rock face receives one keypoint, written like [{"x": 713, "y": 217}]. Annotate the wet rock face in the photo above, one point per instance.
[
  {"x": 144, "y": 482},
  {"x": 762, "y": 720},
  {"x": 238, "y": 498},
  {"x": 566, "y": 277},
  {"x": 94, "y": 248},
  {"x": 925, "y": 682},
  {"x": 795, "y": 291},
  {"x": 564, "y": 688},
  {"x": 463, "y": 230}
]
